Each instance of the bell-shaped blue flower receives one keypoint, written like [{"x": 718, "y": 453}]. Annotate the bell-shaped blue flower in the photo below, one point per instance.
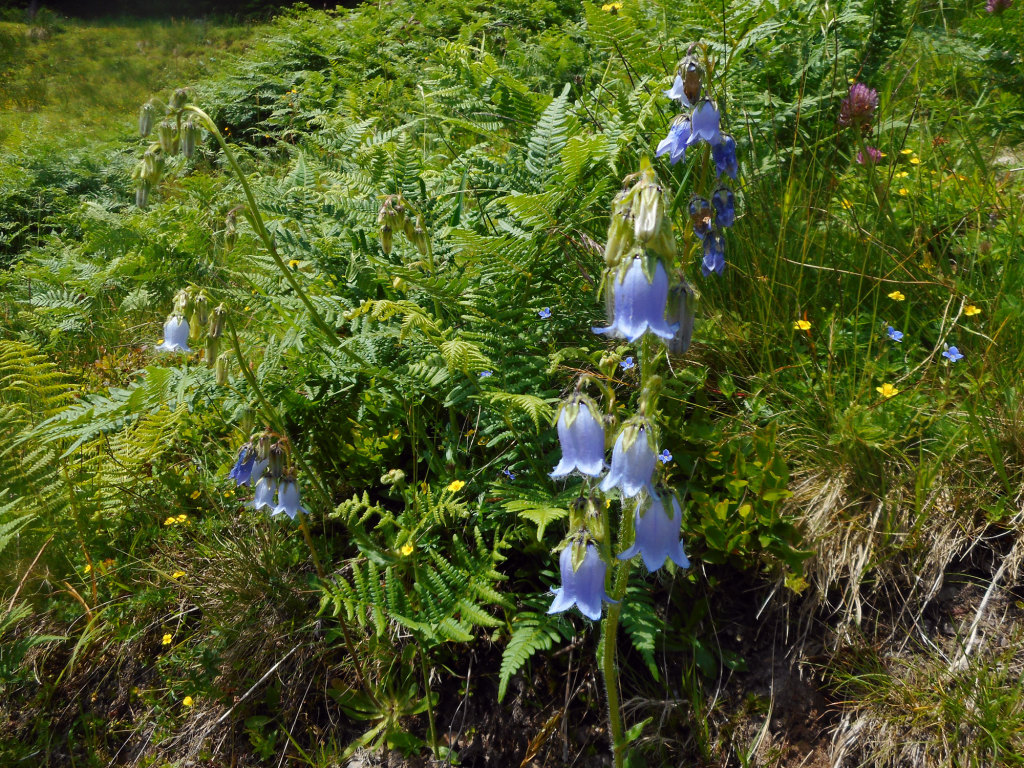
[
  {"x": 682, "y": 307},
  {"x": 724, "y": 155},
  {"x": 241, "y": 473},
  {"x": 700, "y": 216},
  {"x": 678, "y": 91},
  {"x": 176, "y": 332},
  {"x": 657, "y": 535},
  {"x": 633, "y": 461},
  {"x": 714, "y": 254},
  {"x": 704, "y": 124},
  {"x": 638, "y": 304},
  {"x": 583, "y": 587},
  {"x": 581, "y": 436},
  {"x": 725, "y": 206},
  {"x": 676, "y": 141},
  {"x": 266, "y": 489},
  {"x": 288, "y": 500}
]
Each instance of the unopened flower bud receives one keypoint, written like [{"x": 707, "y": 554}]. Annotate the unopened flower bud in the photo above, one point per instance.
[
  {"x": 230, "y": 227},
  {"x": 212, "y": 350},
  {"x": 221, "y": 370},
  {"x": 398, "y": 284},
  {"x": 649, "y": 208},
  {"x": 180, "y": 98},
  {"x": 147, "y": 116},
  {"x": 682, "y": 306},
  {"x": 277, "y": 457},
  {"x": 263, "y": 447},
  {"x": 189, "y": 134},
  {"x": 217, "y": 320},
  {"x": 167, "y": 133},
  {"x": 692, "y": 74},
  {"x": 620, "y": 231},
  {"x": 183, "y": 301},
  {"x": 386, "y": 239},
  {"x": 201, "y": 308},
  {"x": 578, "y": 513},
  {"x": 393, "y": 477},
  {"x": 142, "y": 187}
]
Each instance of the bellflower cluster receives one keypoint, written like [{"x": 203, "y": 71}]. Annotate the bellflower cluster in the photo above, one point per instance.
[
  {"x": 702, "y": 123},
  {"x": 195, "y": 305},
  {"x": 264, "y": 465}
]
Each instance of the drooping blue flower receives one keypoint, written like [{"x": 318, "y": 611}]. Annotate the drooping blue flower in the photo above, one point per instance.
[
  {"x": 266, "y": 489},
  {"x": 704, "y": 124},
  {"x": 952, "y": 354},
  {"x": 583, "y": 588},
  {"x": 545, "y": 313},
  {"x": 676, "y": 141},
  {"x": 627, "y": 364},
  {"x": 678, "y": 91},
  {"x": 657, "y": 535},
  {"x": 632, "y": 462},
  {"x": 725, "y": 206},
  {"x": 638, "y": 304},
  {"x": 665, "y": 457},
  {"x": 288, "y": 500},
  {"x": 714, "y": 254},
  {"x": 724, "y": 155},
  {"x": 581, "y": 436},
  {"x": 700, "y": 216},
  {"x": 682, "y": 305},
  {"x": 893, "y": 334},
  {"x": 176, "y": 333},
  {"x": 242, "y": 471}
]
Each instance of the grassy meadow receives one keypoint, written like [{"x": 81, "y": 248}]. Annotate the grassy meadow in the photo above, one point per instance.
[{"x": 387, "y": 228}]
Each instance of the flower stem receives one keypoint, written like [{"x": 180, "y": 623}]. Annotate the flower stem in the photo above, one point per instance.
[{"x": 608, "y": 651}]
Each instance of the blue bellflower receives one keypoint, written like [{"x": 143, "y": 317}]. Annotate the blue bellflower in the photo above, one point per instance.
[
  {"x": 704, "y": 125},
  {"x": 676, "y": 141},
  {"x": 582, "y": 439},
  {"x": 657, "y": 536},
  {"x": 952, "y": 354},
  {"x": 714, "y": 254},
  {"x": 700, "y": 216},
  {"x": 176, "y": 332},
  {"x": 724, "y": 155},
  {"x": 632, "y": 462},
  {"x": 639, "y": 304},
  {"x": 266, "y": 489},
  {"x": 893, "y": 334},
  {"x": 242, "y": 471},
  {"x": 288, "y": 500},
  {"x": 678, "y": 91},
  {"x": 725, "y": 207},
  {"x": 583, "y": 588}
]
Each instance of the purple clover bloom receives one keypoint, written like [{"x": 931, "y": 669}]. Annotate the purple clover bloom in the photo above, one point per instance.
[
  {"x": 676, "y": 141},
  {"x": 859, "y": 107},
  {"x": 700, "y": 216},
  {"x": 657, "y": 536},
  {"x": 893, "y": 334},
  {"x": 639, "y": 303},
  {"x": 545, "y": 313},
  {"x": 266, "y": 489},
  {"x": 997, "y": 6},
  {"x": 704, "y": 125},
  {"x": 176, "y": 333},
  {"x": 874, "y": 155},
  {"x": 952, "y": 354},
  {"x": 724, "y": 155},
  {"x": 288, "y": 500},
  {"x": 725, "y": 206},
  {"x": 581, "y": 436},
  {"x": 583, "y": 588},
  {"x": 241, "y": 473},
  {"x": 714, "y": 254},
  {"x": 632, "y": 465}
]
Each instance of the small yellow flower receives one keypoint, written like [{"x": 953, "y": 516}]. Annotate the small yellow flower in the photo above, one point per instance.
[
  {"x": 607, "y": 503},
  {"x": 904, "y": 191},
  {"x": 182, "y": 518},
  {"x": 901, "y": 174},
  {"x": 970, "y": 310},
  {"x": 247, "y": 309},
  {"x": 177, "y": 574},
  {"x": 915, "y": 160},
  {"x": 160, "y": 343},
  {"x": 170, "y": 521},
  {"x": 802, "y": 325},
  {"x": 293, "y": 263},
  {"x": 846, "y": 204},
  {"x": 611, "y": 7},
  {"x": 406, "y": 550},
  {"x": 187, "y": 701},
  {"x": 906, "y": 151},
  {"x": 456, "y": 485},
  {"x": 196, "y": 493},
  {"x": 167, "y": 639},
  {"x": 961, "y": 177},
  {"x": 88, "y": 567},
  {"x": 229, "y": 492},
  {"x": 887, "y": 390},
  {"x": 896, "y": 296}
]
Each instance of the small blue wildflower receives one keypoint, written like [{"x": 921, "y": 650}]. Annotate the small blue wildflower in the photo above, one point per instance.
[
  {"x": 545, "y": 313},
  {"x": 724, "y": 155},
  {"x": 714, "y": 254},
  {"x": 486, "y": 374},
  {"x": 893, "y": 334},
  {"x": 584, "y": 587},
  {"x": 665, "y": 457},
  {"x": 725, "y": 207},
  {"x": 952, "y": 354},
  {"x": 627, "y": 364},
  {"x": 676, "y": 141},
  {"x": 508, "y": 473}
]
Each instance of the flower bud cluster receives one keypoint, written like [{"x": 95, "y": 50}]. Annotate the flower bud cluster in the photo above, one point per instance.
[
  {"x": 396, "y": 215},
  {"x": 175, "y": 134},
  {"x": 179, "y": 331},
  {"x": 265, "y": 464},
  {"x": 701, "y": 123}
]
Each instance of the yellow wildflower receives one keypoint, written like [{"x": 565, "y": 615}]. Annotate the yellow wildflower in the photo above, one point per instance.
[
  {"x": 611, "y": 7},
  {"x": 177, "y": 574},
  {"x": 904, "y": 191},
  {"x": 229, "y": 492},
  {"x": 896, "y": 296},
  {"x": 906, "y": 151},
  {"x": 167, "y": 639},
  {"x": 970, "y": 310},
  {"x": 887, "y": 390},
  {"x": 456, "y": 485},
  {"x": 293, "y": 263},
  {"x": 406, "y": 550},
  {"x": 170, "y": 521},
  {"x": 182, "y": 518},
  {"x": 196, "y": 493},
  {"x": 187, "y": 701},
  {"x": 915, "y": 160},
  {"x": 846, "y": 204},
  {"x": 901, "y": 174},
  {"x": 802, "y": 325}
]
